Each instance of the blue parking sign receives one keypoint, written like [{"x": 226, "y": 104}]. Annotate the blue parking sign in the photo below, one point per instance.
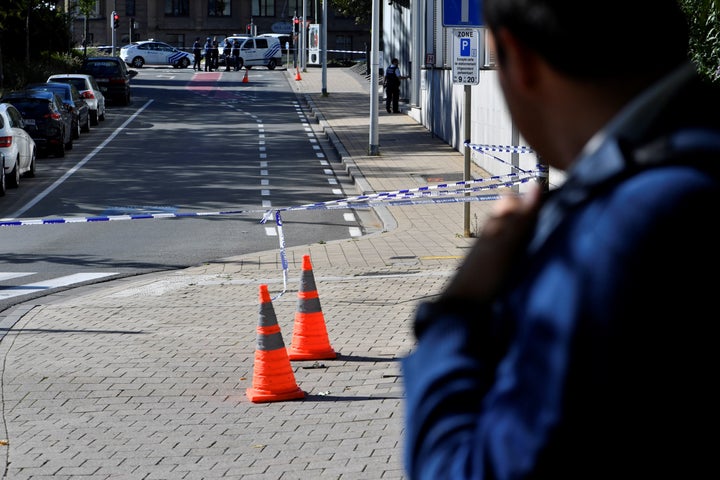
[
  {"x": 462, "y": 13},
  {"x": 465, "y": 47}
]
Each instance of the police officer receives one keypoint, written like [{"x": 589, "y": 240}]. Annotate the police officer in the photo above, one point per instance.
[
  {"x": 236, "y": 54},
  {"x": 197, "y": 52},
  {"x": 227, "y": 53},
  {"x": 208, "y": 55},
  {"x": 215, "y": 54}
]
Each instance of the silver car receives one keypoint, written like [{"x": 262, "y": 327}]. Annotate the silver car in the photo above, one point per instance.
[{"x": 89, "y": 90}]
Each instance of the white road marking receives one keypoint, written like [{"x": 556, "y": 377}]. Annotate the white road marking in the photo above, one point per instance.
[{"x": 15, "y": 291}]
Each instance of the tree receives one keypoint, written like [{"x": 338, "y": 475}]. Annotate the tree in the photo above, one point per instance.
[
  {"x": 86, "y": 7},
  {"x": 704, "y": 22},
  {"x": 361, "y": 10}
]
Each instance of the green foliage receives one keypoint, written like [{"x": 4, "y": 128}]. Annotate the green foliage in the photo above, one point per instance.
[
  {"x": 48, "y": 29},
  {"x": 360, "y": 10},
  {"x": 704, "y": 22},
  {"x": 17, "y": 73}
]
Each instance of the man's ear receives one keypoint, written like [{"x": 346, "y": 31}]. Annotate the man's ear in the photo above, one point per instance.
[{"x": 520, "y": 64}]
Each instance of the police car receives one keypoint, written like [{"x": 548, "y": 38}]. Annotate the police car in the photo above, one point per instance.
[
  {"x": 258, "y": 51},
  {"x": 151, "y": 52}
]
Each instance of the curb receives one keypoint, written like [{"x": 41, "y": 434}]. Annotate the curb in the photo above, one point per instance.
[{"x": 362, "y": 185}]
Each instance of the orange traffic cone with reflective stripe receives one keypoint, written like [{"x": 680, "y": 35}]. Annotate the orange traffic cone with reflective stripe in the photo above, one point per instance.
[
  {"x": 310, "y": 338},
  {"x": 297, "y": 74},
  {"x": 273, "y": 377},
  {"x": 245, "y": 78}
]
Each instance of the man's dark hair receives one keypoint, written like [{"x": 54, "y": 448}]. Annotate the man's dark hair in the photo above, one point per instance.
[{"x": 597, "y": 38}]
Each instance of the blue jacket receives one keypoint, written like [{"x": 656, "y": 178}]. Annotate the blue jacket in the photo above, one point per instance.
[{"x": 599, "y": 360}]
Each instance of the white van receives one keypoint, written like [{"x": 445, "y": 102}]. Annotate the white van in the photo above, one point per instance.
[
  {"x": 258, "y": 52},
  {"x": 285, "y": 39}
]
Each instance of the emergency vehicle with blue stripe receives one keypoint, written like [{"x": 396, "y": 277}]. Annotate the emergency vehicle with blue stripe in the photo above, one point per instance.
[
  {"x": 257, "y": 51},
  {"x": 151, "y": 52}
]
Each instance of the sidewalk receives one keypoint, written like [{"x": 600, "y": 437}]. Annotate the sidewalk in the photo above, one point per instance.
[{"x": 145, "y": 377}]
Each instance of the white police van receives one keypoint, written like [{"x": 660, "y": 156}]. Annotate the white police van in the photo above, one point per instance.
[{"x": 258, "y": 51}]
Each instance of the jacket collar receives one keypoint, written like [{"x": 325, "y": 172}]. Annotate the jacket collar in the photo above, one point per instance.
[{"x": 602, "y": 158}]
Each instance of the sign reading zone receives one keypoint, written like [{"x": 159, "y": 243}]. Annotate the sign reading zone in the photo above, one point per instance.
[{"x": 465, "y": 56}]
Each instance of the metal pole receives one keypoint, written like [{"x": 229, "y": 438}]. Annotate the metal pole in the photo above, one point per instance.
[
  {"x": 374, "y": 147},
  {"x": 466, "y": 176},
  {"x": 303, "y": 55},
  {"x": 323, "y": 47}
]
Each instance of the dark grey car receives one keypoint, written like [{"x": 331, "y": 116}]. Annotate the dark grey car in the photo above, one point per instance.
[
  {"x": 47, "y": 119},
  {"x": 71, "y": 97},
  {"x": 112, "y": 75}
]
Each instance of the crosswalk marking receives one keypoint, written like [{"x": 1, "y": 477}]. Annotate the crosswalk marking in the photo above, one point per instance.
[
  {"x": 64, "y": 281},
  {"x": 10, "y": 275}
]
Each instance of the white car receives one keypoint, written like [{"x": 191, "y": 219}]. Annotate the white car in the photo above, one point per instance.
[
  {"x": 89, "y": 90},
  {"x": 150, "y": 52},
  {"x": 16, "y": 146}
]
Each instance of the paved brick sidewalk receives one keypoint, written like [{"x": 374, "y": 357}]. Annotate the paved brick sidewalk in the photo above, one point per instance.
[{"x": 145, "y": 377}]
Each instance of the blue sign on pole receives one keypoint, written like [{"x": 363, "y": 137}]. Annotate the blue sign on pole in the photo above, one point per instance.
[
  {"x": 465, "y": 45},
  {"x": 462, "y": 13}
]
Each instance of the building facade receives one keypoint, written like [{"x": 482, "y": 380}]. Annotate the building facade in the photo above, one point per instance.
[
  {"x": 415, "y": 32},
  {"x": 179, "y": 22}
]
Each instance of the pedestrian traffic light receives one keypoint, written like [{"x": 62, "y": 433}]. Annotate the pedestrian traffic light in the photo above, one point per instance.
[
  {"x": 249, "y": 27},
  {"x": 116, "y": 20}
]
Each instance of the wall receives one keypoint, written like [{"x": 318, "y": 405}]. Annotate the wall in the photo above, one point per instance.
[{"x": 439, "y": 105}]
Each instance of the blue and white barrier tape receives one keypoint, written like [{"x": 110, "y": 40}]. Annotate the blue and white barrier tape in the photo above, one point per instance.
[
  {"x": 454, "y": 192},
  {"x": 486, "y": 149},
  {"x": 511, "y": 177},
  {"x": 499, "y": 148}
]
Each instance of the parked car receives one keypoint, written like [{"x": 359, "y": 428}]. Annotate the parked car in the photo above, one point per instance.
[
  {"x": 89, "y": 90},
  {"x": 112, "y": 75},
  {"x": 72, "y": 98},
  {"x": 46, "y": 118},
  {"x": 150, "y": 52},
  {"x": 16, "y": 145}
]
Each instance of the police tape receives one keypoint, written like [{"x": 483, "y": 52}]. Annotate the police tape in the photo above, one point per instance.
[
  {"x": 442, "y": 193},
  {"x": 402, "y": 197},
  {"x": 499, "y": 148}
]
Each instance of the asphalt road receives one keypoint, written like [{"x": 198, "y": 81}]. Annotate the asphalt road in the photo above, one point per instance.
[{"x": 189, "y": 143}]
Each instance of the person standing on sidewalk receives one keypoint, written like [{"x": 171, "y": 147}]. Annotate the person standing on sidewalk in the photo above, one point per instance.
[
  {"x": 576, "y": 340},
  {"x": 197, "y": 53},
  {"x": 392, "y": 86}
]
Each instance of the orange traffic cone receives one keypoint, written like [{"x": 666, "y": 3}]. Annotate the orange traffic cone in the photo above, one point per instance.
[
  {"x": 297, "y": 74},
  {"x": 310, "y": 338},
  {"x": 245, "y": 78},
  {"x": 273, "y": 377}
]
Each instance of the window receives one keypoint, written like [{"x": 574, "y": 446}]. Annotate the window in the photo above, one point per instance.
[
  {"x": 219, "y": 8},
  {"x": 263, "y": 8},
  {"x": 94, "y": 11},
  {"x": 177, "y": 8},
  {"x": 261, "y": 43},
  {"x": 343, "y": 42}
]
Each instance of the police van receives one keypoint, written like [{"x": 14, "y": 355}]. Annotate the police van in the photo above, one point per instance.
[{"x": 257, "y": 52}]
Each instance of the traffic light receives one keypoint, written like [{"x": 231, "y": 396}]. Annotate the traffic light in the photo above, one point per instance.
[
  {"x": 249, "y": 27},
  {"x": 116, "y": 20}
]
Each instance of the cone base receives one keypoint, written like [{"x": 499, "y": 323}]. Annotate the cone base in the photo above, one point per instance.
[
  {"x": 296, "y": 354},
  {"x": 257, "y": 396}
]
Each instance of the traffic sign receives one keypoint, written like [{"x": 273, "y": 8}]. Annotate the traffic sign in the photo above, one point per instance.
[
  {"x": 462, "y": 13},
  {"x": 466, "y": 56}
]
